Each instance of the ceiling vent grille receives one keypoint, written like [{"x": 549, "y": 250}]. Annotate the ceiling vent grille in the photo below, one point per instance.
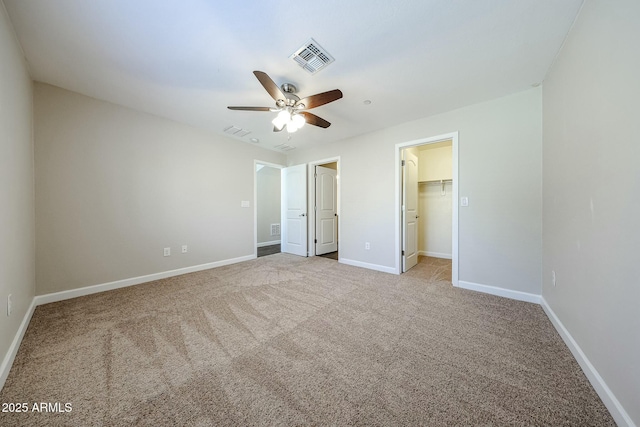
[
  {"x": 236, "y": 131},
  {"x": 312, "y": 57},
  {"x": 284, "y": 147}
]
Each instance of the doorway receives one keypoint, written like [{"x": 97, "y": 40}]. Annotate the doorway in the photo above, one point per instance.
[
  {"x": 326, "y": 210},
  {"x": 324, "y": 214},
  {"x": 267, "y": 206},
  {"x": 413, "y": 186},
  {"x": 311, "y": 226}
]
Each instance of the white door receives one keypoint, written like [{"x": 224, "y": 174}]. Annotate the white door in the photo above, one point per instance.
[
  {"x": 294, "y": 210},
  {"x": 326, "y": 210},
  {"x": 409, "y": 211}
]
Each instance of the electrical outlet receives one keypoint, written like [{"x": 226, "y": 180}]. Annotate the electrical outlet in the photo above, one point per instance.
[
  {"x": 184, "y": 249},
  {"x": 367, "y": 245},
  {"x": 167, "y": 251},
  {"x": 9, "y": 304},
  {"x": 553, "y": 277}
]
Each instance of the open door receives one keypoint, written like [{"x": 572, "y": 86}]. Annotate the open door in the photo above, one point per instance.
[
  {"x": 326, "y": 210},
  {"x": 294, "y": 210},
  {"x": 409, "y": 210}
]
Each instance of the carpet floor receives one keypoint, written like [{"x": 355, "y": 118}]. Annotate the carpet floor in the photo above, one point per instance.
[{"x": 284, "y": 340}]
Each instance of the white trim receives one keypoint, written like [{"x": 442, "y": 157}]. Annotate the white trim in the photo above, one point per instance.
[
  {"x": 7, "y": 362},
  {"x": 501, "y": 292},
  {"x": 271, "y": 243},
  {"x": 616, "y": 409},
  {"x": 435, "y": 254},
  {"x": 367, "y": 265},
  {"x": 94, "y": 289},
  {"x": 453, "y": 136}
]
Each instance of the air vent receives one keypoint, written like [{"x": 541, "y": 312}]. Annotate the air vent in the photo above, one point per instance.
[
  {"x": 236, "y": 131},
  {"x": 312, "y": 57},
  {"x": 284, "y": 147},
  {"x": 275, "y": 229}
]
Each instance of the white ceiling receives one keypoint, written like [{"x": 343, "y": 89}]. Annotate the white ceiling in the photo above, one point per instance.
[{"x": 189, "y": 59}]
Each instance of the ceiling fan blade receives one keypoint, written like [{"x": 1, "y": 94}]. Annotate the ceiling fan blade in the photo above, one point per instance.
[
  {"x": 319, "y": 99},
  {"x": 269, "y": 85},
  {"x": 314, "y": 120},
  {"x": 250, "y": 108}
]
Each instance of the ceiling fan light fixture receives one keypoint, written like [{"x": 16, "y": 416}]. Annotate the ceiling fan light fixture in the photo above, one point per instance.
[
  {"x": 281, "y": 119},
  {"x": 298, "y": 120},
  {"x": 279, "y": 124}
]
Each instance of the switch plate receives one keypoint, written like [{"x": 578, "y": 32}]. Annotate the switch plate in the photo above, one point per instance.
[
  {"x": 245, "y": 204},
  {"x": 464, "y": 201},
  {"x": 184, "y": 249},
  {"x": 167, "y": 251}
]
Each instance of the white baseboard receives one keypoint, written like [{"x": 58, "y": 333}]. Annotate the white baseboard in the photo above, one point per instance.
[
  {"x": 94, "y": 289},
  {"x": 618, "y": 413},
  {"x": 435, "y": 254},
  {"x": 7, "y": 362},
  {"x": 375, "y": 267},
  {"x": 501, "y": 292},
  {"x": 273, "y": 242}
]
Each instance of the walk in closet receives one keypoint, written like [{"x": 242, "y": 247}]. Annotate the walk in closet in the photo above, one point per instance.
[{"x": 435, "y": 185}]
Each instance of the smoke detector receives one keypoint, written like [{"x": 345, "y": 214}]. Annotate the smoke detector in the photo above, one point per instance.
[{"x": 312, "y": 57}]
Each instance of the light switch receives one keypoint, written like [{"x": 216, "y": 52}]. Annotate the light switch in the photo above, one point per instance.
[
  {"x": 464, "y": 201},
  {"x": 245, "y": 204}
]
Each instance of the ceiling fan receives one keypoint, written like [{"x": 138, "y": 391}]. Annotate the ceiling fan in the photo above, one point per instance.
[{"x": 291, "y": 110}]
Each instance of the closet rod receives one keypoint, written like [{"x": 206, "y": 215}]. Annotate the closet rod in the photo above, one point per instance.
[
  {"x": 436, "y": 181},
  {"x": 442, "y": 182}
]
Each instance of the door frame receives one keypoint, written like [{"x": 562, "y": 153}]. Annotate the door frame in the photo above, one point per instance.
[
  {"x": 453, "y": 136},
  {"x": 312, "y": 201},
  {"x": 255, "y": 202}
]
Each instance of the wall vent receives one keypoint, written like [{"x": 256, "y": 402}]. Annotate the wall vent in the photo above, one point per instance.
[
  {"x": 312, "y": 57},
  {"x": 275, "y": 229}
]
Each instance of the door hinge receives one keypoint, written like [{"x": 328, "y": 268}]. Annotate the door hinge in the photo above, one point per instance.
[
  {"x": 315, "y": 241},
  {"x": 403, "y": 163},
  {"x": 402, "y": 253}
]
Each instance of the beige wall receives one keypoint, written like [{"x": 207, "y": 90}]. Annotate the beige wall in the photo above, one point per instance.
[
  {"x": 16, "y": 189},
  {"x": 268, "y": 203},
  {"x": 500, "y": 145},
  {"x": 591, "y": 192},
  {"x": 435, "y": 222},
  {"x": 115, "y": 186},
  {"x": 435, "y": 161}
]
